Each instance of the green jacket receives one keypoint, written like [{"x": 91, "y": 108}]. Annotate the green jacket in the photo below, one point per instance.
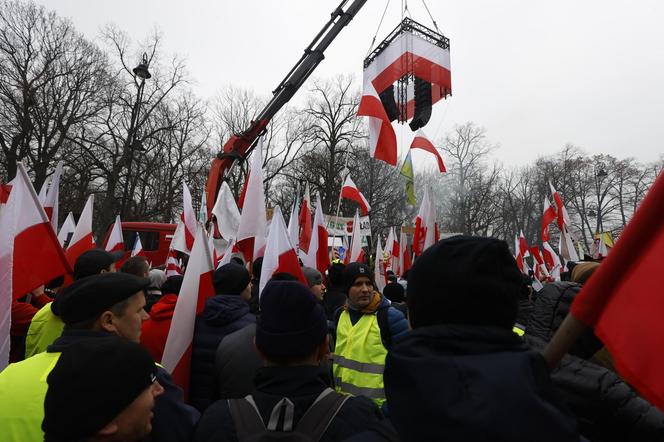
[{"x": 44, "y": 329}]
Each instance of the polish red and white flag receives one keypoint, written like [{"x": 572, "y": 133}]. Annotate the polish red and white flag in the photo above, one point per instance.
[
  {"x": 380, "y": 276},
  {"x": 196, "y": 289},
  {"x": 294, "y": 222},
  {"x": 523, "y": 245},
  {"x": 82, "y": 239},
  {"x": 551, "y": 260},
  {"x": 188, "y": 217},
  {"x": 52, "y": 202},
  {"x": 422, "y": 142},
  {"x": 115, "y": 241},
  {"x": 305, "y": 221},
  {"x": 280, "y": 255},
  {"x": 67, "y": 229},
  {"x": 562, "y": 215},
  {"x": 30, "y": 254},
  {"x": 548, "y": 216},
  {"x": 405, "y": 260},
  {"x": 392, "y": 251},
  {"x": 350, "y": 191},
  {"x": 382, "y": 138},
  {"x": 356, "y": 252},
  {"x": 226, "y": 213},
  {"x": 172, "y": 264},
  {"x": 253, "y": 222},
  {"x": 426, "y": 232},
  {"x": 318, "y": 256}
]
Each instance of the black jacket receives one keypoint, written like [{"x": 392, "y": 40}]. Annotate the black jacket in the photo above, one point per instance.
[
  {"x": 173, "y": 419},
  {"x": 472, "y": 383},
  {"x": 302, "y": 385},
  {"x": 606, "y": 407},
  {"x": 236, "y": 363},
  {"x": 333, "y": 299},
  {"x": 222, "y": 315}
]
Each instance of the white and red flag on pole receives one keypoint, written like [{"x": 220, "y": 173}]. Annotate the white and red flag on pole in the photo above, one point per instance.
[
  {"x": 318, "y": 257},
  {"x": 566, "y": 246},
  {"x": 226, "y": 212},
  {"x": 115, "y": 241},
  {"x": 422, "y": 142},
  {"x": 425, "y": 232},
  {"x": 178, "y": 242},
  {"x": 523, "y": 245},
  {"x": 42, "y": 192},
  {"x": 294, "y": 222},
  {"x": 392, "y": 251},
  {"x": 379, "y": 267},
  {"x": 225, "y": 258},
  {"x": 518, "y": 255},
  {"x": 548, "y": 215},
  {"x": 350, "y": 191},
  {"x": 305, "y": 221},
  {"x": 30, "y": 254},
  {"x": 172, "y": 264},
  {"x": 253, "y": 222},
  {"x": 551, "y": 260},
  {"x": 137, "y": 250},
  {"x": 53, "y": 196},
  {"x": 188, "y": 217},
  {"x": 562, "y": 215},
  {"x": 82, "y": 239},
  {"x": 382, "y": 138},
  {"x": 404, "y": 254},
  {"x": 196, "y": 289},
  {"x": 67, "y": 229},
  {"x": 280, "y": 255},
  {"x": 356, "y": 252}
]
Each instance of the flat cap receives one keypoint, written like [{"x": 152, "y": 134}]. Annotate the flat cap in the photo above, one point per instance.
[{"x": 88, "y": 297}]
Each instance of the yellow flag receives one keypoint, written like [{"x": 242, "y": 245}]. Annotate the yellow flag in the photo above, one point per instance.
[{"x": 407, "y": 172}]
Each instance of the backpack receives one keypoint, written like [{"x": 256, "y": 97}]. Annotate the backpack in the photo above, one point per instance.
[
  {"x": 250, "y": 427},
  {"x": 383, "y": 325}
]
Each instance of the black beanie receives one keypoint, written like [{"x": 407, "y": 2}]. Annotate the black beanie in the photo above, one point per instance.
[
  {"x": 230, "y": 279},
  {"x": 292, "y": 321},
  {"x": 464, "y": 280},
  {"x": 172, "y": 285},
  {"x": 353, "y": 271},
  {"x": 92, "y": 382}
]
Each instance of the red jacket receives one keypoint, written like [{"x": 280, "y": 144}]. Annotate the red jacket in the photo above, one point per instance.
[{"x": 155, "y": 329}]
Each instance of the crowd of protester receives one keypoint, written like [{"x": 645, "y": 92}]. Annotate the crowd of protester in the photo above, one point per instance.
[{"x": 451, "y": 351}]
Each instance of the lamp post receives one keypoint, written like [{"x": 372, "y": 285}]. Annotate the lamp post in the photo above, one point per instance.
[
  {"x": 600, "y": 175},
  {"x": 133, "y": 141}
]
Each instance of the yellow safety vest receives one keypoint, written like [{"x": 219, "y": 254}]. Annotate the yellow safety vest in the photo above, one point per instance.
[
  {"x": 44, "y": 329},
  {"x": 359, "y": 358},
  {"x": 22, "y": 391}
]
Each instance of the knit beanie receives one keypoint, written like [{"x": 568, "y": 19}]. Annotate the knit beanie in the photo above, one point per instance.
[
  {"x": 172, "y": 285},
  {"x": 312, "y": 276},
  {"x": 230, "y": 279},
  {"x": 92, "y": 382},
  {"x": 464, "y": 280},
  {"x": 292, "y": 321},
  {"x": 353, "y": 271}
]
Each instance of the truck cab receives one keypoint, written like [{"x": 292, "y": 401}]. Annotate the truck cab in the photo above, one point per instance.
[{"x": 155, "y": 237}]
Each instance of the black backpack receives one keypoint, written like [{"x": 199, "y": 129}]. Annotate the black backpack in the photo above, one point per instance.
[{"x": 250, "y": 427}]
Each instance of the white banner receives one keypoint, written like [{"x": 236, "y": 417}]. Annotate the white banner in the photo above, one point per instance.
[{"x": 339, "y": 225}]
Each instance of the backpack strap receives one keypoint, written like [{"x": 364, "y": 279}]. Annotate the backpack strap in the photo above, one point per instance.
[
  {"x": 318, "y": 417},
  {"x": 384, "y": 325},
  {"x": 247, "y": 418}
]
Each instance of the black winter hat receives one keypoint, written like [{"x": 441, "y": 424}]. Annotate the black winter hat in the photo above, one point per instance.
[
  {"x": 230, "y": 279},
  {"x": 92, "y": 382},
  {"x": 464, "y": 280},
  {"x": 88, "y": 297},
  {"x": 92, "y": 262},
  {"x": 292, "y": 321},
  {"x": 172, "y": 285},
  {"x": 353, "y": 271}
]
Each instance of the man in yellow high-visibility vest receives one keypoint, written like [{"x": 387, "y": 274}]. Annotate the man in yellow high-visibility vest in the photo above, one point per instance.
[{"x": 365, "y": 328}]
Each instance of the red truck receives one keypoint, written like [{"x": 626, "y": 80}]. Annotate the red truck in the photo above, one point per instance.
[{"x": 155, "y": 238}]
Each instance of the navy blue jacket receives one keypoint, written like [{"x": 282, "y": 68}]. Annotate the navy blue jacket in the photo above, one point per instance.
[
  {"x": 222, "y": 315},
  {"x": 472, "y": 383}
]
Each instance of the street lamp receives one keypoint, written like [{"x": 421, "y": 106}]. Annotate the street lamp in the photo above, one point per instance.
[{"x": 601, "y": 173}]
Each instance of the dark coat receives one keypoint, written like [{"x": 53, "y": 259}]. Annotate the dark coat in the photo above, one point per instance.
[
  {"x": 301, "y": 385},
  {"x": 606, "y": 407},
  {"x": 173, "y": 420},
  {"x": 236, "y": 363},
  {"x": 472, "y": 383},
  {"x": 222, "y": 315},
  {"x": 333, "y": 299}
]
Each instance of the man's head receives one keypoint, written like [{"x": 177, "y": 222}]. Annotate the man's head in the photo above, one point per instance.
[
  {"x": 292, "y": 328},
  {"x": 335, "y": 274},
  {"x": 464, "y": 280},
  {"x": 136, "y": 265},
  {"x": 95, "y": 261},
  {"x": 359, "y": 285},
  {"x": 111, "y": 302},
  {"x": 232, "y": 279},
  {"x": 104, "y": 389},
  {"x": 314, "y": 281},
  {"x": 172, "y": 285}
]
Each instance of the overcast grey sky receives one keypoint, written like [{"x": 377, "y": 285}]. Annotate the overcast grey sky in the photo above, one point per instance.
[{"x": 535, "y": 74}]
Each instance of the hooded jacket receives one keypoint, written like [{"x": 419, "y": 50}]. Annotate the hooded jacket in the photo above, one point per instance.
[
  {"x": 222, "y": 315},
  {"x": 472, "y": 383},
  {"x": 154, "y": 330},
  {"x": 606, "y": 407}
]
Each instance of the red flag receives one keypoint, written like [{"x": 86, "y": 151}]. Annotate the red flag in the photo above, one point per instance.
[
  {"x": 551, "y": 260},
  {"x": 425, "y": 225},
  {"x": 563, "y": 216},
  {"x": 172, "y": 264},
  {"x": 523, "y": 245},
  {"x": 422, "y": 142},
  {"x": 30, "y": 254},
  {"x": 623, "y": 299},
  {"x": 305, "y": 221},
  {"x": 5, "y": 189},
  {"x": 318, "y": 256},
  {"x": 351, "y": 192},
  {"x": 115, "y": 241},
  {"x": 188, "y": 217},
  {"x": 82, "y": 239},
  {"x": 519, "y": 254},
  {"x": 51, "y": 203},
  {"x": 356, "y": 252},
  {"x": 382, "y": 139},
  {"x": 196, "y": 289},
  {"x": 280, "y": 255},
  {"x": 404, "y": 254},
  {"x": 547, "y": 217},
  {"x": 253, "y": 222}
]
